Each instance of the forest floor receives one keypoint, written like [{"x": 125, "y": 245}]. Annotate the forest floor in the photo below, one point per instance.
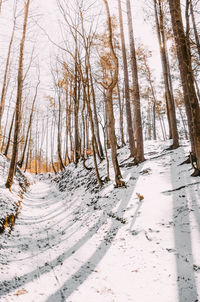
[{"x": 74, "y": 242}]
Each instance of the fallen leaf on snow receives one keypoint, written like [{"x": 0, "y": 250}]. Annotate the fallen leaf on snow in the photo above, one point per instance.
[
  {"x": 21, "y": 292},
  {"x": 141, "y": 197}
]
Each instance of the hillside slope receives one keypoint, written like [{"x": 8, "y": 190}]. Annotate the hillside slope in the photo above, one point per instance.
[{"x": 10, "y": 201}]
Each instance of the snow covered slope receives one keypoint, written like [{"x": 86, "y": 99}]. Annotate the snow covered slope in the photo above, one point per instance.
[
  {"x": 73, "y": 242},
  {"x": 10, "y": 201}
]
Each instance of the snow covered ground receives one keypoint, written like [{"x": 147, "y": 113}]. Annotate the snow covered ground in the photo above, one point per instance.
[
  {"x": 80, "y": 243},
  {"x": 10, "y": 201}
]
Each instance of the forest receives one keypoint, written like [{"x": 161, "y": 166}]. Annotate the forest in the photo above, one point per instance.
[{"x": 100, "y": 150}]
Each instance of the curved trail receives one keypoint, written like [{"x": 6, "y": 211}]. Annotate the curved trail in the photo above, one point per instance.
[
  {"x": 39, "y": 243},
  {"x": 51, "y": 229}
]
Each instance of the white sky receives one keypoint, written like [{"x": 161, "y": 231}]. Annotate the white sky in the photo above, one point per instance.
[
  {"x": 142, "y": 31},
  {"x": 47, "y": 15}
]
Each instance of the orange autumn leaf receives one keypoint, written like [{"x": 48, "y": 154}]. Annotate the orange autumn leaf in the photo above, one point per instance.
[
  {"x": 21, "y": 292},
  {"x": 141, "y": 197}
]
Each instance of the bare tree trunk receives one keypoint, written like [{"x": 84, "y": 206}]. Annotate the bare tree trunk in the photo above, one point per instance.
[
  {"x": 83, "y": 154},
  {"x": 59, "y": 135},
  {"x": 154, "y": 121},
  {"x": 5, "y": 128},
  {"x": 126, "y": 82},
  {"x": 76, "y": 111},
  {"x": 12, "y": 168},
  {"x": 36, "y": 147},
  {"x": 47, "y": 142},
  {"x": 9, "y": 135},
  {"x": 136, "y": 91},
  {"x": 28, "y": 155},
  {"x": 86, "y": 99},
  {"x": 196, "y": 35},
  {"x": 164, "y": 128},
  {"x": 121, "y": 118},
  {"x": 3, "y": 91},
  {"x": 106, "y": 120},
  {"x": 181, "y": 43},
  {"x": 109, "y": 103},
  {"x": 29, "y": 127},
  {"x": 183, "y": 122},
  {"x": 68, "y": 116},
  {"x": 169, "y": 97},
  {"x": 161, "y": 126},
  {"x": 52, "y": 144},
  {"x": 93, "y": 140},
  {"x": 95, "y": 116},
  {"x": 70, "y": 123},
  {"x": 187, "y": 77}
]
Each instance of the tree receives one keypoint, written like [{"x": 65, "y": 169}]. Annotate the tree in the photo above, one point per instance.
[
  {"x": 146, "y": 72},
  {"x": 136, "y": 91},
  {"x": 4, "y": 85},
  {"x": 159, "y": 16},
  {"x": 126, "y": 85},
  {"x": 196, "y": 35},
  {"x": 109, "y": 103},
  {"x": 187, "y": 78},
  {"x": 29, "y": 127},
  {"x": 12, "y": 167}
]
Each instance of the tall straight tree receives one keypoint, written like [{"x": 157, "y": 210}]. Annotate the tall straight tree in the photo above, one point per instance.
[
  {"x": 159, "y": 16},
  {"x": 18, "y": 106},
  {"x": 126, "y": 84},
  {"x": 109, "y": 102},
  {"x": 136, "y": 90},
  {"x": 187, "y": 78}
]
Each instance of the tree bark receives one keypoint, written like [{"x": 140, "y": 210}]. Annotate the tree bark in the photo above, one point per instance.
[
  {"x": 62, "y": 167},
  {"x": 95, "y": 116},
  {"x": 169, "y": 96},
  {"x": 136, "y": 91},
  {"x": 29, "y": 127},
  {"x": 3, "y": 91},
  {"x": 121, "y": 117},
  {"x": 12, "y": 168},
  {"x": 126, "y": 82},
  {"x": 187, "y": 77},
  {"x": 109, "y": 104},
  {"x": 196, "y": 35}
]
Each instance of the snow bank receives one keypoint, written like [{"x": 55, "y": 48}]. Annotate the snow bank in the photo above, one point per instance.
[{"x": 10, "y": 201}]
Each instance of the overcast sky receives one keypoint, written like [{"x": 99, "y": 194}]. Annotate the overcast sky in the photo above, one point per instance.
[{"x": 48, "y": 17}]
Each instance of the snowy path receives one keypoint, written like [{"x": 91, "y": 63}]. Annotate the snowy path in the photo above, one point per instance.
[{"x": 62, "y": 248}]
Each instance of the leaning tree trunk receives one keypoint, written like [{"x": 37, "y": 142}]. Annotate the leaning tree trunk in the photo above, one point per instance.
[
  {"x": 9, "y": 135},
  {"x": 12, "y": 168},
  {"x": 3, "y": 91},
  {"x": 187, "y": 78},
  {"x": 93, "y": 136}
]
